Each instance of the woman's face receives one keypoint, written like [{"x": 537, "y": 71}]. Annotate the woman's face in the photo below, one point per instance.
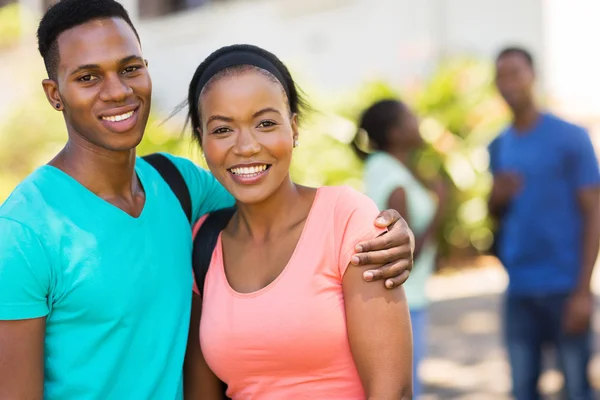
[
  {"x": 407, "y": 132},
  {"x": 247, "y": 134}
]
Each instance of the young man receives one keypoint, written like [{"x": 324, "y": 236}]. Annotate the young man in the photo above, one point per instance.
[
  {"x": 546, "y": 198},
  {"x": 95, "y": 249}
]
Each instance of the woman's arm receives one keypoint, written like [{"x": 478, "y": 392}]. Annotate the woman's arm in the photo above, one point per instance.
[
  {"x": 398, "y": 201},
  {"x": 379, "y": 332},
  {"x": 199, "y": 381}
]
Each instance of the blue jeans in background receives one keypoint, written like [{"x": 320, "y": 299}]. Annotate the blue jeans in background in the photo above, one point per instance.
[
  {"x": 419, "y": 321},
  {"x": 530, "y": 322}
]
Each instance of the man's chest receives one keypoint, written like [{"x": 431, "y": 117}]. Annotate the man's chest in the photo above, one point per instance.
[
  {"x": 119, "y": 274},
  {"x": 534, "y": 160}
]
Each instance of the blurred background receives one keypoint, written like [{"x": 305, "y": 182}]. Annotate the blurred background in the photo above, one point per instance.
[{"x": 436, "y": 55}]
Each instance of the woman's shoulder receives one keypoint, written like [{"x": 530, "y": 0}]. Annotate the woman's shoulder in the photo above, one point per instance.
[
  {"x": 341, "y": 193},
  {"x": 343, "y": 200}
]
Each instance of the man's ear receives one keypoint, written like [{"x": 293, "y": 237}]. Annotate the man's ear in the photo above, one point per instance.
[{"x": 52, "y": 94}]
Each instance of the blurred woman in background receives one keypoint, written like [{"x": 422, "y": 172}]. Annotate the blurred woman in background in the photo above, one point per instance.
[{"x": 391, "y": 129}]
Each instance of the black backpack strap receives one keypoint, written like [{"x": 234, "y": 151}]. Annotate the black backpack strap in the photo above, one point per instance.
[
  {"x": 205, "y": 242},
  {"x": 173, "y": 177},
  {"x": 204, "y": 246}
]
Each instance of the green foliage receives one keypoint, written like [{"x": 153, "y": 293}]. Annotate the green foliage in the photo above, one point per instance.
[
  {"x": 460, "y": 114},
  {"x": 13, "y": 22}
]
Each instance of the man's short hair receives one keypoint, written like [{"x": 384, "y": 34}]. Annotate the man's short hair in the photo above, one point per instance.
[
  {"x": 519, "y": 51},
  {"x": 67, "y": 14}
]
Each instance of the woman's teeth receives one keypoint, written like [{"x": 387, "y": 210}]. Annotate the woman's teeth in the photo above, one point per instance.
[
  {"x": 248, "y": 170},
  {"x": 117, "y": 118}
]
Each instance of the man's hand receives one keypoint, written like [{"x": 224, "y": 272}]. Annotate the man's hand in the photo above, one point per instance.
[
  {"x": 578, "y": 312},
  {"x": 394, "y": 250},
  {"x": 506, "y": 186}
]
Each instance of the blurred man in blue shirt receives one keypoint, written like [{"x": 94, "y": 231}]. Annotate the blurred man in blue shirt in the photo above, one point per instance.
[{"x": 546, "y": 199}]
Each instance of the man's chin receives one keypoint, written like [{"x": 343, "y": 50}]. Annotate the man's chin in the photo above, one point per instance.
[{"x": 125, "y": 142}]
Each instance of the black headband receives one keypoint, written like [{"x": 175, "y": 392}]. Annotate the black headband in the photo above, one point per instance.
[{"x": 235, "y": 58}]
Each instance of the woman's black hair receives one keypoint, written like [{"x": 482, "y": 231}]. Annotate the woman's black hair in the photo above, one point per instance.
[
  {"x": 374, "y": 125},
  {"x": 295, "y": 99}
]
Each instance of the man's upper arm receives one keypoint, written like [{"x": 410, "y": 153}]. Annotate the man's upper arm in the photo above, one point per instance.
[
  {"x": 586, "y": 173},
  {"x": 493, "y": 154},
  {"x": 206, "y": 192},
  {"x": 24, "y": 287},
  {"x": 25, "y": 273}
]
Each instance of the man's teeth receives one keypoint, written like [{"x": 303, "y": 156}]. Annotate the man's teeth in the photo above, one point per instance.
[
  {"x": 249, "y": 170},
  {"x": 117, "y": 118}
]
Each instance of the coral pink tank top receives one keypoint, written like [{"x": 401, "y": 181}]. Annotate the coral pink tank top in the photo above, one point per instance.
[{"x": 289, "y": 339}]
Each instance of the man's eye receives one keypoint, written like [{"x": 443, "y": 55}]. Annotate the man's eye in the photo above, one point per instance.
[
  {"x": 131, "y": 69},
  {"x": 87, "y": 78}
]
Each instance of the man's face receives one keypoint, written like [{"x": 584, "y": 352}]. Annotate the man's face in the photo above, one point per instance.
[
  {"x": 515, "y": 79},
  {"x": 103, "y": 84}
]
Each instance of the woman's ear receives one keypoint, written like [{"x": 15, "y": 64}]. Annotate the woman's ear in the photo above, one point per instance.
[{"x": 199, "y": 130}]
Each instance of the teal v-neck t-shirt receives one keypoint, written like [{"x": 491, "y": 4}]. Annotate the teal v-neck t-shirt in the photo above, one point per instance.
[{"x": 115, "y": 290}]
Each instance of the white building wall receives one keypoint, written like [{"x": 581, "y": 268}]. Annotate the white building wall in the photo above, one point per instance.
[{"x": 334, "y": 44}]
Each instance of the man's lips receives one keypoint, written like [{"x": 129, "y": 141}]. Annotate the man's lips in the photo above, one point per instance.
[
  {"x": 119, "y": 114},
  {"x": 120, "y": 120}
]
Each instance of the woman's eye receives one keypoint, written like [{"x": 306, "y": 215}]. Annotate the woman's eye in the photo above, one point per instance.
[
  {"x": 266, "y": 124},
  {"x": 221, "y": 130}
]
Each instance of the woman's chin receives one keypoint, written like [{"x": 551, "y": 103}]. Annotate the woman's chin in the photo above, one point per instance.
[{"x": 250, "y": 196}]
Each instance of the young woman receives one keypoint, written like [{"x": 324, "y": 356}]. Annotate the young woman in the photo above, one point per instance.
[
  {"x": 393, "y": 130},
  {"x": 282, "y": 315}
]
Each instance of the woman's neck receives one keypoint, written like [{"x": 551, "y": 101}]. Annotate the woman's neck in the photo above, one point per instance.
[
  {"x": 272, "y": 216},
  {"x": 402, "y": 155}
]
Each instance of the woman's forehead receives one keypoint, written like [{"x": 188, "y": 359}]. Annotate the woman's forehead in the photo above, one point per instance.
[{"x": 250, "y": 89}]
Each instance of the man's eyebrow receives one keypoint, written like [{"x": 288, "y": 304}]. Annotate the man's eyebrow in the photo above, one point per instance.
[
  {"x": 131, "y": 58},
  {"x": 97, "y": 66},
  {"x": 84, "y": 67}
]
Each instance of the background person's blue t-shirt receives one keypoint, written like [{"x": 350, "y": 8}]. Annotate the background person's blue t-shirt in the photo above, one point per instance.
[
  {"x": 541, "y": 241},
  {"x": 116, "y": 290}
]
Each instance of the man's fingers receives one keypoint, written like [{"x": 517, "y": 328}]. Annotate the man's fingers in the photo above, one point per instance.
[
  {"x": 384, "y": 241},
  {"x": 389, "y": 271},
  {"x": 387, "y": 218},
  {"x": 389, "y": 255},
  {"x": 397, "y": 281}
]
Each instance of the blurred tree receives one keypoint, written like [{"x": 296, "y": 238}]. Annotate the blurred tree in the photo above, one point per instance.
[
  {"x": 10, "y": 25},
  {"x": 460, "y": 114}
]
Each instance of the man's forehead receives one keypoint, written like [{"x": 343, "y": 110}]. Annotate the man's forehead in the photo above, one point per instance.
[
  {"x": 512, "y": 59},
  {"x": 97, "y": 42}
]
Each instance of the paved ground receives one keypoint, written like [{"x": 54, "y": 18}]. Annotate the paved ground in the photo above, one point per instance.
[{"x": 466, "y": 359}]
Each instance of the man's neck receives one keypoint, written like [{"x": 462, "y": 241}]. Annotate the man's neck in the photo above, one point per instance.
[
  {"x": 526, "y": 118},
  {"x": 106, "y": 173}
]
